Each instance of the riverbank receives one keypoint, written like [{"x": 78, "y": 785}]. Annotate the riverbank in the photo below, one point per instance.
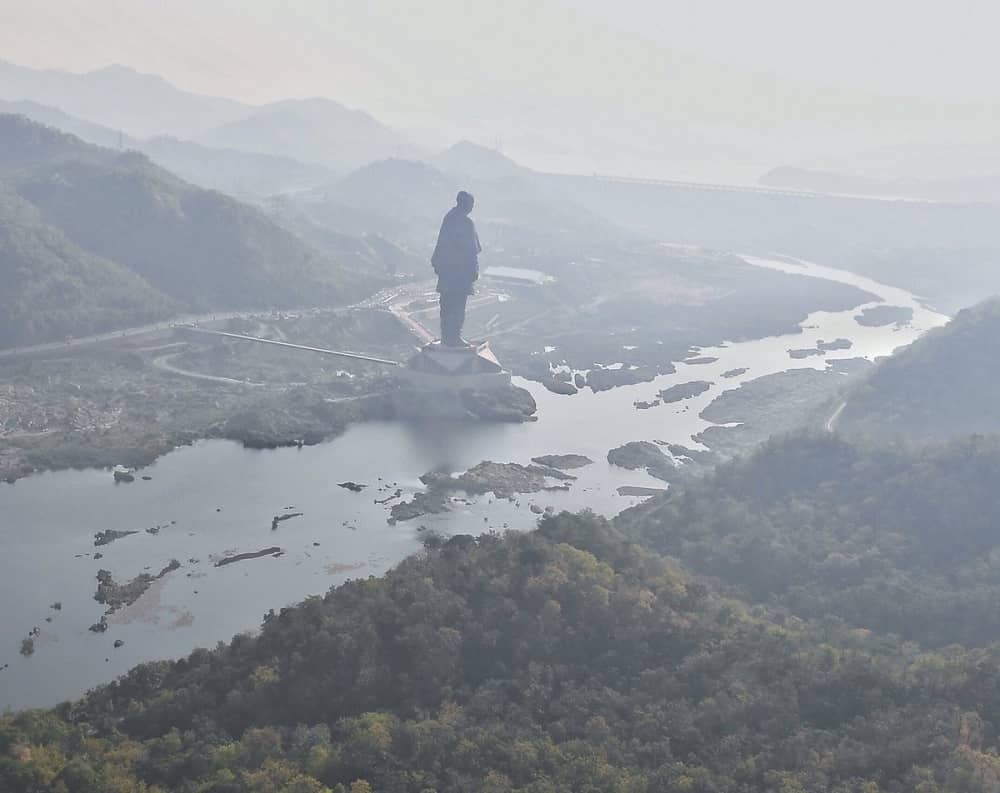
[{"x": 216, "y": 499}]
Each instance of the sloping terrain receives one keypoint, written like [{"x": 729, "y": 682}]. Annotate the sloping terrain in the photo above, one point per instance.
[
  {"x": 562, "y": 660},
  {"x": 313, "y": 130},
  {"x": 943, "y": 385},
  {"x": 199, "y": 249},
  {"x": 238, "y": 173},
  {"x": 883, "y": 539},
  {"x": 52, "y": 288},
  {"x": 120, "y": 98}
]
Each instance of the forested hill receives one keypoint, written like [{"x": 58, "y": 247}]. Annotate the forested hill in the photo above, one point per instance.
[
  {"x": 562, "y": 660},
  {"x": 892, "y": 540},
  {"x": 27, "y": 144},
  {"x": 53, "y": 288},
  {"x": 183, "y": 246},
  {"x": 945, "y": 384}
]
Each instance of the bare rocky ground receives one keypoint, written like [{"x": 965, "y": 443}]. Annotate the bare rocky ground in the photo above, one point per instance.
[
  {"x": 128, "y": 403},
  {"x": 504, "y": 480}
]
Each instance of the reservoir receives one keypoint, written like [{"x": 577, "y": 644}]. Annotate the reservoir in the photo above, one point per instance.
[{"x": 215, "y": 499}]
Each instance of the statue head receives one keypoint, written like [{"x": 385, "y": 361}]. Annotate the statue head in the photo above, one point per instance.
[{"x": 465, "y": 201}]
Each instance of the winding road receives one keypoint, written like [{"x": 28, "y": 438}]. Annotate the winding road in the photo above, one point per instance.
[{"x": 831, "y": 423}]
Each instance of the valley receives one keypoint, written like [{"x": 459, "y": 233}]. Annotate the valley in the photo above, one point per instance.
[
  {"x": 231, "y": 493},
  {"x": 725, "y": 522}
]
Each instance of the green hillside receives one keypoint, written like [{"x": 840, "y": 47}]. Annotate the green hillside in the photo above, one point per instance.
[
  {"x": 26, "y": 144},
  {"x": 563, "y": 660},
  {"x": 200, "y": 247},
  {"x": 52, "y": 288},
  {"x": 197, "y": 249},
  {"x": 890, "y": 540},
  {"x": 945, "y": 384}
]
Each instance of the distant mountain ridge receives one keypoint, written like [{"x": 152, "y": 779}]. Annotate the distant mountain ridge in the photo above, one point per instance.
[
  {"x": 241, "y": 174},
  {"x": 99, "y": 212},
  {"x": 315, "y": 130},
  {"x": 122, "y": 98},
  {"x": 471, "y": 159}
]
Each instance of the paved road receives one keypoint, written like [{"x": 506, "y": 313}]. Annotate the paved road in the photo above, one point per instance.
[
  {"x": 393, "y": 299},
  {"x": 380, "y": 300},
  {"x": 163, "y": 363},
  {"x": 140, "y": 330},
  {"x": 831, "y": 423}
]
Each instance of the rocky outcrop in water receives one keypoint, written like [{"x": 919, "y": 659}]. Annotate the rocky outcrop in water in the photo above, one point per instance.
[
  {"x": 274, "y": 550},
  {"x": 606, "y": 379},
  {"x": 880, "y": 316},
  {"x": 108, "y": 536},
  {"x": 116, "y": 596},
  {"x": 638, "y": 455},
  {"x": 677, "y": 393},
  {"x": 429, "y": 503},
  {"x": 564, "y": 462},
  {"x": 283, "y": 517},
  {"x": 559, "y": 386},
  {"x": 701, "y": 360},
  {"x": 806, "y": 352},
  {"x": 504, "y": 480},
  {"x": 123, "y": 475},
  {"x": 643, "y": 492}
]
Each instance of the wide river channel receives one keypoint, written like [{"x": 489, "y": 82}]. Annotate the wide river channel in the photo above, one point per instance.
[{"x": 216, "y": 498}]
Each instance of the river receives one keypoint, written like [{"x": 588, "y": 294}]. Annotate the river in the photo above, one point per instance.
[{"x": 215, "y": 498}]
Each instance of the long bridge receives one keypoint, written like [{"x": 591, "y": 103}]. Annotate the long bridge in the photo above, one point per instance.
[{"x": 786, "y": 192}]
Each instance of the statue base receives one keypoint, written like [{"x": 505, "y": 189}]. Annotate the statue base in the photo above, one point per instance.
[{"x": 440, "y": 366}]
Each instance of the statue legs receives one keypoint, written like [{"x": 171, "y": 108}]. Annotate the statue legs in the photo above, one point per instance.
[{"x": 452, "y": 317}]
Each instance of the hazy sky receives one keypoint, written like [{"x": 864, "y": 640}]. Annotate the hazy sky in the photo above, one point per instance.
[{"x": 749, "y": 81}]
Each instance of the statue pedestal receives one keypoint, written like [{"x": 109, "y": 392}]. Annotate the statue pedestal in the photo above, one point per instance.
[{"x": 440, "y": 366}]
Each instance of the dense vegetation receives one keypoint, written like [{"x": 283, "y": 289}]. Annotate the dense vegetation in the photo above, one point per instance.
[
  {"x": 944, "y": 384},
  {"x": 99, "y": 238},
  {"x": 892, "y": 540},
  {"x": 53, "y": 288},
  {"x": 198, "y": 246},
  {"x": 563, "y": 660}
]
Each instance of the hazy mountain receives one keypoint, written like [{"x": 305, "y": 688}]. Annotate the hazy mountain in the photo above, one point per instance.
[
  {"x": 472, "y": 160},
  {"x": 239, "y": 173},
  {"x": 53, "y": 288},
  {"x": 121, "y": 98},
  {"x": 945, "y": 384},
  {"x": 235, "y": 172},
  {"x": 26, "y": 144},
  {"x": 64, "y": 122},
  {"x": 201, "y": 248},
  {"x": 967, "y": 188},
  {"x": 313, "y": 130},
  {"x": 406, "y": 199}
]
